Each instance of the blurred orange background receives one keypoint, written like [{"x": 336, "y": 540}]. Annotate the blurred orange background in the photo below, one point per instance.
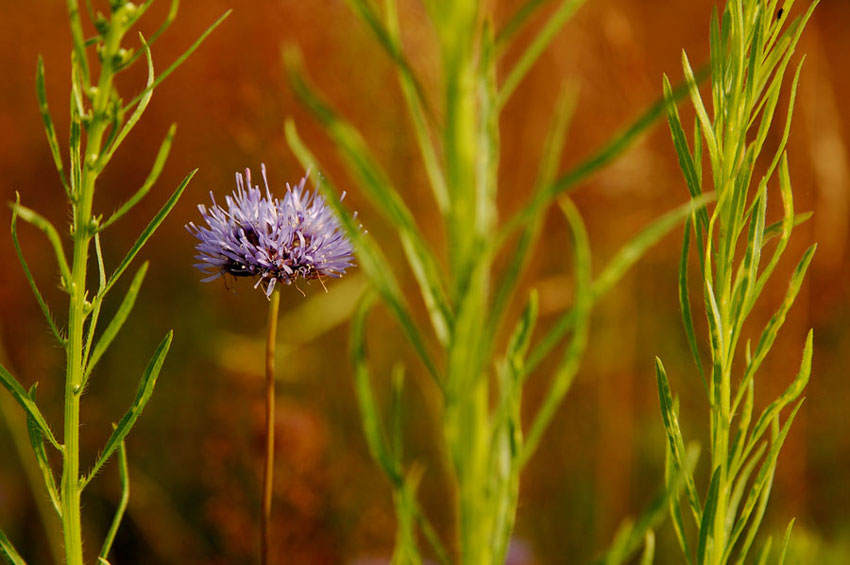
[{"x": 195, "y": 455}]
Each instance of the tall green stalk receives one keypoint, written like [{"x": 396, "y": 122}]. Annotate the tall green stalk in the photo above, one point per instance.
[
  {"x": 100, "y": 122},
  {"x": 751, "y": 47},
  {"x": 466, "y": 294}
]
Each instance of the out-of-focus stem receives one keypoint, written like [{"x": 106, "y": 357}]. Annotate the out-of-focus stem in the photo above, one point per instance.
[{"x": 268, "y": 472}]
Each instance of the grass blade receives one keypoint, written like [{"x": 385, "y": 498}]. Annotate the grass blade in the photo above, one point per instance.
[
  {"x": 28, "y": 404},
  {"x": 148, "y": 232},
  {"x": 143, "y": 394}
]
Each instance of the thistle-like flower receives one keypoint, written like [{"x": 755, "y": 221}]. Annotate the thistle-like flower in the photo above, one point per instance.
[{"x": 276, "y": 241}]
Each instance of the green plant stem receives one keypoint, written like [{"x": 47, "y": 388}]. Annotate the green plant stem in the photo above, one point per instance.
[
  {"x": 268, "y": 471},
  {"x": 82, "y": 233}
]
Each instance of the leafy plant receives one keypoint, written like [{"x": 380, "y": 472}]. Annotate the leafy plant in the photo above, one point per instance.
[
  {"x": 751, "y": 47},
  {"x": 100, "y": 123},
  {"x": 465, "y": 294}
]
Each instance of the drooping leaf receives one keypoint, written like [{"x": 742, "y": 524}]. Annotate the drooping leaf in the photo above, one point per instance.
[{"x": 22, "y": 396}]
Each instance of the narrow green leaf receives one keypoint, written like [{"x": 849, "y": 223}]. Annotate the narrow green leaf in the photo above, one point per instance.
[
  {"x": 179, "y": 61},
  {"x": 761, "y": 485},
  {"x": 29, "y": 406},
  {"x": 371, "y": 419},
  {"x": 369, "y": 255},
  {"x": 569, "y": 365},
  {"x": 8, "y": 551},
  {"x": 392, "y": 45},
  {"x": 43, "y": 224},
  {"x": 775, "y": 229},
  {"x": 627, "y": 256},
  {"x": 648, "y": 555},
  {"x": 137, "y": 112},
  {"x": 705, "y": 123},
  {"x": 638, "y": 245},
  {"x": 794, "y": 390},
  {"x": 670, "y": 476},
  {"x": 397, "y": 415},
  {"x": 617, "y": 554},
  {"x": 49, "y": 130},
  {"x": 37, "y": 442},
  {"x": 553, "y": 148},
  {"x": 764, "y": 554},
  {"x": 406, "y": 551},
  {"x": 538, "y": 45},
  {"x": 169, "y": 19},
  {"x": 680, "y": 142},
  {"x": 123, "y": 475},
  {"x": 45, "y": 310},
  {"x": 606, "y": 154},
  {"x": 741, "y": 479},
  {"x": 143, "y": 395},
  {"x": 785, "y": 542},
  {"x": 516, "y": 21},
  {"x": 374, "y": 181},
  {"x": 521, "y": 337},
  {"x": 148, "y": 232},
  {"x": 117, "y": 320},
  {"x": 776, "y": 322},
  {"x": 153, "y": 176},
  {"x": 674, "y": 438},
  {"x": 433, "y": 538},
  {"x": 707, "y": 523},
  {"x": 414, "y": 97},
  {"x": 685, "y": 303}
]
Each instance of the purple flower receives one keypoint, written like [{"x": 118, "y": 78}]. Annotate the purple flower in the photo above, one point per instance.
[{"x": 276, "y": 241}]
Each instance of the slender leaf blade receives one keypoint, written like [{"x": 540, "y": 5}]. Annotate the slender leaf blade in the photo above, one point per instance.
[
  {"x": 22, "y": 396},
  {"x": 148, "y": 231},
  {"x": 143, "y": 395}
]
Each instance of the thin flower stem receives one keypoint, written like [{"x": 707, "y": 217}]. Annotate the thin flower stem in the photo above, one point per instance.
[{"x": 268, "y": 473}]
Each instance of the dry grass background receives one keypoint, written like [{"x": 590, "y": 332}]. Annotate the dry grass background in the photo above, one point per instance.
[{"x": 195, "y": 455}]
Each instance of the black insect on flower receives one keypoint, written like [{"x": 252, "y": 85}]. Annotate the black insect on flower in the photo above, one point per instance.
[{"x": 274, "y": 240}]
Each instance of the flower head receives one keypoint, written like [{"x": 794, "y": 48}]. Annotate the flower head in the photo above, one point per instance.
[{"x": 273, "y": 240}]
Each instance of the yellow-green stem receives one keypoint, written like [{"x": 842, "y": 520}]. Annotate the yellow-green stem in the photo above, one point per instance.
[
  {"x": 268, "y": 471},
  {"x": 71, "y": 486}
]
